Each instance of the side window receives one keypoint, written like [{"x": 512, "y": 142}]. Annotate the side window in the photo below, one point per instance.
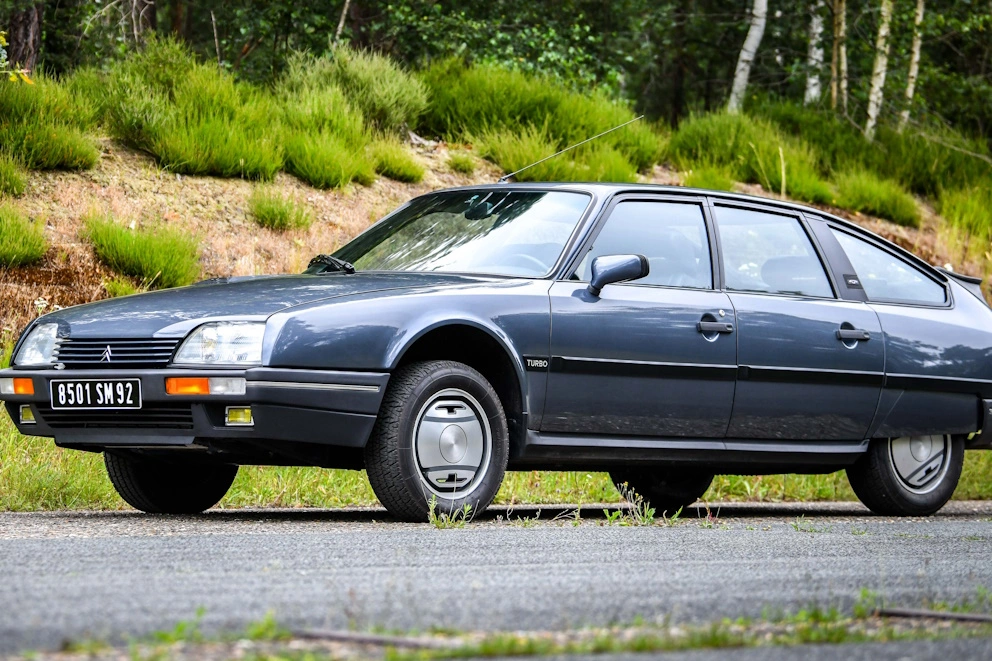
[
  {"x": 671, "y": 235},
  {"x": 885, "y": 277},
  {"x": 766, "y": 252}
]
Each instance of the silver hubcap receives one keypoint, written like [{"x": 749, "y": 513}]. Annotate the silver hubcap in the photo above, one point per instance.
[
  {"x": 920, "y": 462},
  {"x": 452, "y": 443}
]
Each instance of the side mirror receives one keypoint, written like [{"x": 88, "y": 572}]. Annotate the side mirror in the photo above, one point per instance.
[{"x": 608, "y": 269}]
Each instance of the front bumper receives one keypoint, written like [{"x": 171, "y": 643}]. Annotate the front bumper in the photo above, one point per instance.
[{"x": 309, "y": 406}]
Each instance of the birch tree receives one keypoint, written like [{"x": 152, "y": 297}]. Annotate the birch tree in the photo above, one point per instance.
[
  {"x": 814, "y": 55},
  {"x": 759, "y": 14},
  {"x": 879, "y": 70},
  {"x": 838, "y": 60},
  {"x": 914, "y": 65}
]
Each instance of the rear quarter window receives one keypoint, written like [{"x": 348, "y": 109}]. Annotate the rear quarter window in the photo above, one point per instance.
[{"x": 886, "y": 277}]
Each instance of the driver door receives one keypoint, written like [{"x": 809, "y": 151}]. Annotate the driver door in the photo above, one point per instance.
[{"x": 633, "y": 361}]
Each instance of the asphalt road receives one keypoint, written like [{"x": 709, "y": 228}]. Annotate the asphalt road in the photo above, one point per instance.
[{"x": 70, "y": 576}]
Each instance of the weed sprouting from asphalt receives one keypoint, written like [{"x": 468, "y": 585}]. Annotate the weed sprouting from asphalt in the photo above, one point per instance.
[
  {"x": 802, "y": 525},
  {"x": 444, "y": 520},
  {"x": 640, "y": 512}
]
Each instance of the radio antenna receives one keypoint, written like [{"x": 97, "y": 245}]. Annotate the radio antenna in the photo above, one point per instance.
[{"x": 506, "y": 177}]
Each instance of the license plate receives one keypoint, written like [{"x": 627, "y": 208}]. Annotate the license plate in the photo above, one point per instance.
[{"x": 96, "y": 394}]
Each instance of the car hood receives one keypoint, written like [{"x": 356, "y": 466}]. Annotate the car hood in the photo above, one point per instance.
[{"x": 175, "y": 311}]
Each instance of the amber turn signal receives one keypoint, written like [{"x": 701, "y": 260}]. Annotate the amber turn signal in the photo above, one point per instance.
[
  {"x": 181, "y": 385},
  {"x": 21, "y": 386}
]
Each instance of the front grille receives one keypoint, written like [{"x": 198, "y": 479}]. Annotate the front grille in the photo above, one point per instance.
[
  {"x": 117, "y": 353},
  {"x": 155, "y": 416}
]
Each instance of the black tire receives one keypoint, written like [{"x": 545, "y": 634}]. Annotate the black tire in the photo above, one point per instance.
[
  {"x": 667, "y": 491},
  {"x": 880, "y": 487},
  {"x": 392, "y": 457},
  {"x": 168, "y": 487}
]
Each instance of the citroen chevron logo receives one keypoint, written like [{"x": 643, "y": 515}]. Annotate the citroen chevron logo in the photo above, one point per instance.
[{"x": 107, "y": 355}]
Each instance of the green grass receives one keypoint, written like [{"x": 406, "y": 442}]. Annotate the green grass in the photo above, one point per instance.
[
  {"x": 270, "y": 209},
  {"x": 158, "y": 257},
  {"x": 395, "y": 161},
  {"x": 12, "y": 180},
  {"x": 969, "y": 210},
  {"x": 863, "y": 191},
  {"x": 324, "y": 160},
  {"x": 121, "y": 286},
  {"x": 21, "y": 241},
  {"x": 462, "y": 162},
  {"x": 709, "y": 176}
]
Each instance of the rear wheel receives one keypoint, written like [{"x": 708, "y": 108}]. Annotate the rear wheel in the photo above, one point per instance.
[
  {"x": 665, "y": 490},
  {"x": 908, "y": 476},
  {"x": 158, "y": 486},
  {"x": 441, "y": 436}
]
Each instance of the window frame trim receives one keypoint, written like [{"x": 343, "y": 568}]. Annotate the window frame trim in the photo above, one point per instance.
[
  {"x": 588, "y": 242},
  {"x": 804, "y": 226}
]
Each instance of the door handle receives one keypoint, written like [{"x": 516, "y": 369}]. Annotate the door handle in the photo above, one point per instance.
[
  {"x": 714, "y": 327},
  {"x": 856, "y": 334}
]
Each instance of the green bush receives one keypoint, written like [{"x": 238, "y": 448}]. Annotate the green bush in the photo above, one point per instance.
[
  {"x": 121, "y": 286},
  {"x": 860, "y": 190},
  {"x": 753, "y": 150},
  {"x": 21, "y": 242},
  {"x": 969, "y": 209},
  {"x": 41, "y": 125},
  {"x": 513, "y": 150},
  {"x": 12, "y": 181},
  {"x": 388, "y": 97},
  {"x": 395, "y": 161},
  {"x": 461, "y": 162},
  {"x": 158, "y": 257},
  {"x": 270, "y": 209},
  {"x": 324, "y": 160},
  {"x": 192, "y": 117},
  {"x": 316, "y": 109},
  {"x": 711, "y": 177},
  {"x": 479, "y": 100}
]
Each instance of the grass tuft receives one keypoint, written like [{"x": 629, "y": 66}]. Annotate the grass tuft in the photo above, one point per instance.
[
  {"x": 969, "y": 210},
  {"x": 863, "y": 191},
  {"x": 121, "y": 286},
  {"x": 159, "y": 257},
  {"x": 12, "y": 180},
  {"x": 270, "y": 209},
  {"x": 513, "y": 150},
  {"x": 395, "y": 161},
  {"x": 711, "y": 177},
  {"x": 462, "y": 162},
  {"x": 326, "y": 161},
  {"x": 21, "y": 241}
]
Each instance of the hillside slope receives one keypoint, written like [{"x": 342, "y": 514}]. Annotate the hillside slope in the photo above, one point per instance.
[{"x": 129, "y": 185}]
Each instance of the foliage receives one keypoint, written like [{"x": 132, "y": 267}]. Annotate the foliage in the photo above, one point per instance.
[
  {"x": 395, "y": 161},
  {"x": 324, "y": 160},
  {"x": 270, "y": 209},
  {"x": 860, "y": 190},
  {"x": 969, "y": 209},
  {"x": 711, "y": 177},
  {"x": 159, "y": 257},
  {"x": 12, "y": 181},
  {"x": 121, "y": 286},
  {"x": 461, "y": 162},
  {"x": 21, "y": 241}
]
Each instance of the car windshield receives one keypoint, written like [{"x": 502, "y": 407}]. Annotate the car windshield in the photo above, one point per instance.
[{"x": 516, "y": 233}]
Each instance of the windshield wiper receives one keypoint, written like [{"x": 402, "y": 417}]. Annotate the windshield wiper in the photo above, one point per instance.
[{"x": 327, "y": 264}]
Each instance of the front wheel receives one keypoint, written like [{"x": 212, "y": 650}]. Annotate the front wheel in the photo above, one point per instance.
[
  {"x": 908, "y": 476},
  {"x": 160, "y": 486},
  {"x": 440, "y": 441}
]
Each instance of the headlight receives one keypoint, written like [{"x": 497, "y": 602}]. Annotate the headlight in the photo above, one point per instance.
[
  {"x": 223, "y": 343},
  {"x": 39, "y": 347}
]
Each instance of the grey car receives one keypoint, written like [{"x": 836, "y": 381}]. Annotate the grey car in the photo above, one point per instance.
[{"x": 665, "y": 335}]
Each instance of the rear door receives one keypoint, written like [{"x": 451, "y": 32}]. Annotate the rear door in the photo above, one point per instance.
[
  {"x": 633, "y": 361},
  {"x": 811, "y": 365}
]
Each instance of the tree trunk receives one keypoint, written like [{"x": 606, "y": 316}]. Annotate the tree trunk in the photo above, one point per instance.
[
  {"x": 838, "y": 59},
  {"x": 179, "y": 18},
  {"x": 914, "y": 65},
  {"x": 759, "y": 12},
  {"x": 880, "y": 69},
  {"x": 25, "y": 37},
  {"x": 814, "y": 56}
]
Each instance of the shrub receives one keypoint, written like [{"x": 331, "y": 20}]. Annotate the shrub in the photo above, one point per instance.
[
  {"x": 753, "y": 150},
  {"x": 316, "y": 109},
  {"x": 159, "y": 257},
  {"x": 270, "y": 209},
  {"x": 969, "y": 209},
  {"x": 482, "y": 99},
  {"x": 709, "y": 176},
  {"x": 43, "y": 126},
  {"x": 461, "y": 162},
  {"x": 393, "y": 160},
  {"x": 120, "y": 286},
  {"x": 388, "y": 97},
  {"x": 326, "y": 161},
  {"x": 21, "y": 242},
  {"x": 12, "y": 180},
  {"x": 192, "y": 117},
  {"x": 513, "y": 150},
  {"x": 860, "y": 190}
]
